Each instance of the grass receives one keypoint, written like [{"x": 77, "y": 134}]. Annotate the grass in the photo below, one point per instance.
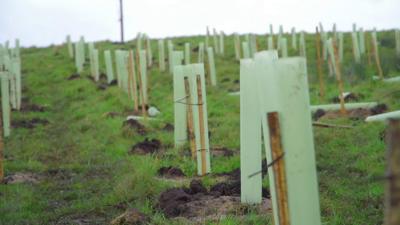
[{"x": 87, "y": 173}]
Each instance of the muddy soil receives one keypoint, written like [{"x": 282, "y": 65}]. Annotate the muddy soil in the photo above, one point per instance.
[
  {"x": 355, "y": 114},
  {"x": 134, "y": 125},
  {"x": 146, "y": 147},
  {"x": 197, "y": 203},
  {"x": 168, "y": 127},
  {"x": 74, "y": 76},
  {"x": 131, "y": 217},
  {"x": 170, "y": 172},
  {"x": 17, "y": 178},
  {"x": 222, "y": 151},
  {"x": 29, "y": 123}
]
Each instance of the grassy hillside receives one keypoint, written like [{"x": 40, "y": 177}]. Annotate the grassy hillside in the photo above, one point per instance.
[{"x": 87, "y": 176}]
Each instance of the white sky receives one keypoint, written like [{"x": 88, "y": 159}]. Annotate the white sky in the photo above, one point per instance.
[{"x": 43, "y": 22}]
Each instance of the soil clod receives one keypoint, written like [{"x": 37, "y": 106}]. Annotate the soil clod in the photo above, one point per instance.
[
  {"x": 135, "y": 125},
  {"x": 146, "y": 147},
  {"x": 131, "y": 217},
  {"x": 74, "y": 76},
  {"x": 18, "y": 178},
  {"x": 29, "y": 124},
  {"x": 222, "y": 152},
  {"x": 170, "y": 172},
  {"x": 168, "y": 127}
]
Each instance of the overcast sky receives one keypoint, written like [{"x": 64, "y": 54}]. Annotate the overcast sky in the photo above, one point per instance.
[{"x": 43, "y": 22}]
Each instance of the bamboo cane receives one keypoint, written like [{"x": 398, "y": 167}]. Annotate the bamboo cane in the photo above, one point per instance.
[
  {"x": 201, "y": 126},
  {"x": 189, "y": 116},
  {"x": 132, "y": 86},
  {"x": 319, "y": 66},
  {"x": 339, "y": 78},
  {"x": 141, "y": 86}
]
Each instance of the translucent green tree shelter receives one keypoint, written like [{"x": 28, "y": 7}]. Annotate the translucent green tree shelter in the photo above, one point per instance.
[
  {"x": 246, "y": 50},
  {"x": 192, "y": 71},
  {"x": 143, "y": 74},
  {"x": 348, "y": 106},
  {"x": 119, "y": 66},
  {"x": 9, "y": 66},
  {"x": 161, "y": 55},
  {"x": 383, "y": 116},
  {"x": 253, "y": 44},
  {"x": 397, "y": 38},
  {"x": 170, "y": 52},
  {"x": 5, "y": 102},
  {"x": 211, "y": 66},
  {"x": 109, "y": 66},
  {"x": 207, "y": 38},
  {"x": 149, "y": 52},
  {"x": 215, "y": 38},
  {"x": 340, "y": 37},
  {"x": 294, "y": 38},
  {"x": 361, "y": 37},
  {"x": 221, "y": 43},
  {"x": 237, "y": 46},
  {"x": 270, "y": 41},
  {"x": 80, "y": 55},
  {"x": 96, "y": 66},
  {"x": 70, "y": 47},
  {"x": 302, "y": 45},
  {"x": 187, "y": 53},
  {"x": 284, "y": 89},
  {"x": 284, "y": 51},
  {"x": 356, "y": 48},
  {"x": 201, "y": 53},
  {"x": 16, "y": 77}
]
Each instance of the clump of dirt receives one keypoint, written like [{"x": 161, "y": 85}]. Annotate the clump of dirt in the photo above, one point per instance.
[
  {"x": 168, "y": 127},
  {"x": 113, "y": 83},
  {"x": 225, "y": 80},
  {"x": 29, "y": 124},
  {"x": 102, "y": 86},
  {"x": 103, "y": 77},
  {"x": 131, "y": 217},
  {"x": 355, "y": 114},
  {"x": 112, "y": 114},
  {"x": 197, "y": 203},
  {"x": 26, "y": 106},
  {"x": 349, "y": 97},
  {"x": 222, "y": 152},
  {"x": 195, "y": 49},
  {"x": 74, "y": 76},
  {"x": 134, "y": 125},
  {"x": 237, "y": 81},
  {"x": 146, "y": 147},
  {"x": 170, "y": 172},
  {"x": 17, "y": 178}
]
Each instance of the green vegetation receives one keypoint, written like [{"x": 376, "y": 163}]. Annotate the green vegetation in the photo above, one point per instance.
[{"x": 87, "y": 176}]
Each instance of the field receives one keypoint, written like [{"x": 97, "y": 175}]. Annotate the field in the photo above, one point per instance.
[{"x": 85, "y": 174}]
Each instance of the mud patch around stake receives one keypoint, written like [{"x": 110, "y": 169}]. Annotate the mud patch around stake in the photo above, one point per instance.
[
  {"x": 222, "y": 151},
  {"x": 135, "y": 125},
  {"x": 170, "y": 172},
  {"x": 131, "y": 216},
  {"x": 354, "y": 114},
  {"x": 18, "y": 178},
  {"x": 168, "y": 127},
  {"x": 74, "y": 76},
  {"x": 146, "y": 147},
  {"x": 198, "y": 204},
  {"x": 29, "y": 123}
]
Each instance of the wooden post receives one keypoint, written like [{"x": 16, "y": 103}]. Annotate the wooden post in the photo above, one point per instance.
[
  {"x": 376, "y": 54},
  {"x": 319, "y": 65},
  {"x": 279, "y": 167},
  {"x": 392, "y": 187},
  {"x": 368, "y": 48},
  {"x": 1, "y": 150},
  {"x": 132, "y": 82},
  {"x": 397, "y": 38},
  {"x": 139, "y": 68},
  {"x": 189, "y": 118},
  {"x": 201, "y": 126},
  {"x": 335, "y": 59}
]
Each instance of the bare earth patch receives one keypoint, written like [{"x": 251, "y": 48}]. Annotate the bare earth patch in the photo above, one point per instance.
[{"x": 18, "y": 178}]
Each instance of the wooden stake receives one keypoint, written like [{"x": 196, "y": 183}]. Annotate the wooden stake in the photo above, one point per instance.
[
  {"x": 392, "y": 192},
  {"x": 1, "y": 150},
  {"x": 201, "y": 122},
  {"x": 279, "y": 168},
  {"x": 377, "y": 60},
  {"x": 141, "y": 86},
  {"x": 319, "y": 66},
  {"x": 132, "y": 86},
  {"x": 368, "y": 48},
  {"x": 189, "y": 118},
  {"x": 339, "y": 78}
]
